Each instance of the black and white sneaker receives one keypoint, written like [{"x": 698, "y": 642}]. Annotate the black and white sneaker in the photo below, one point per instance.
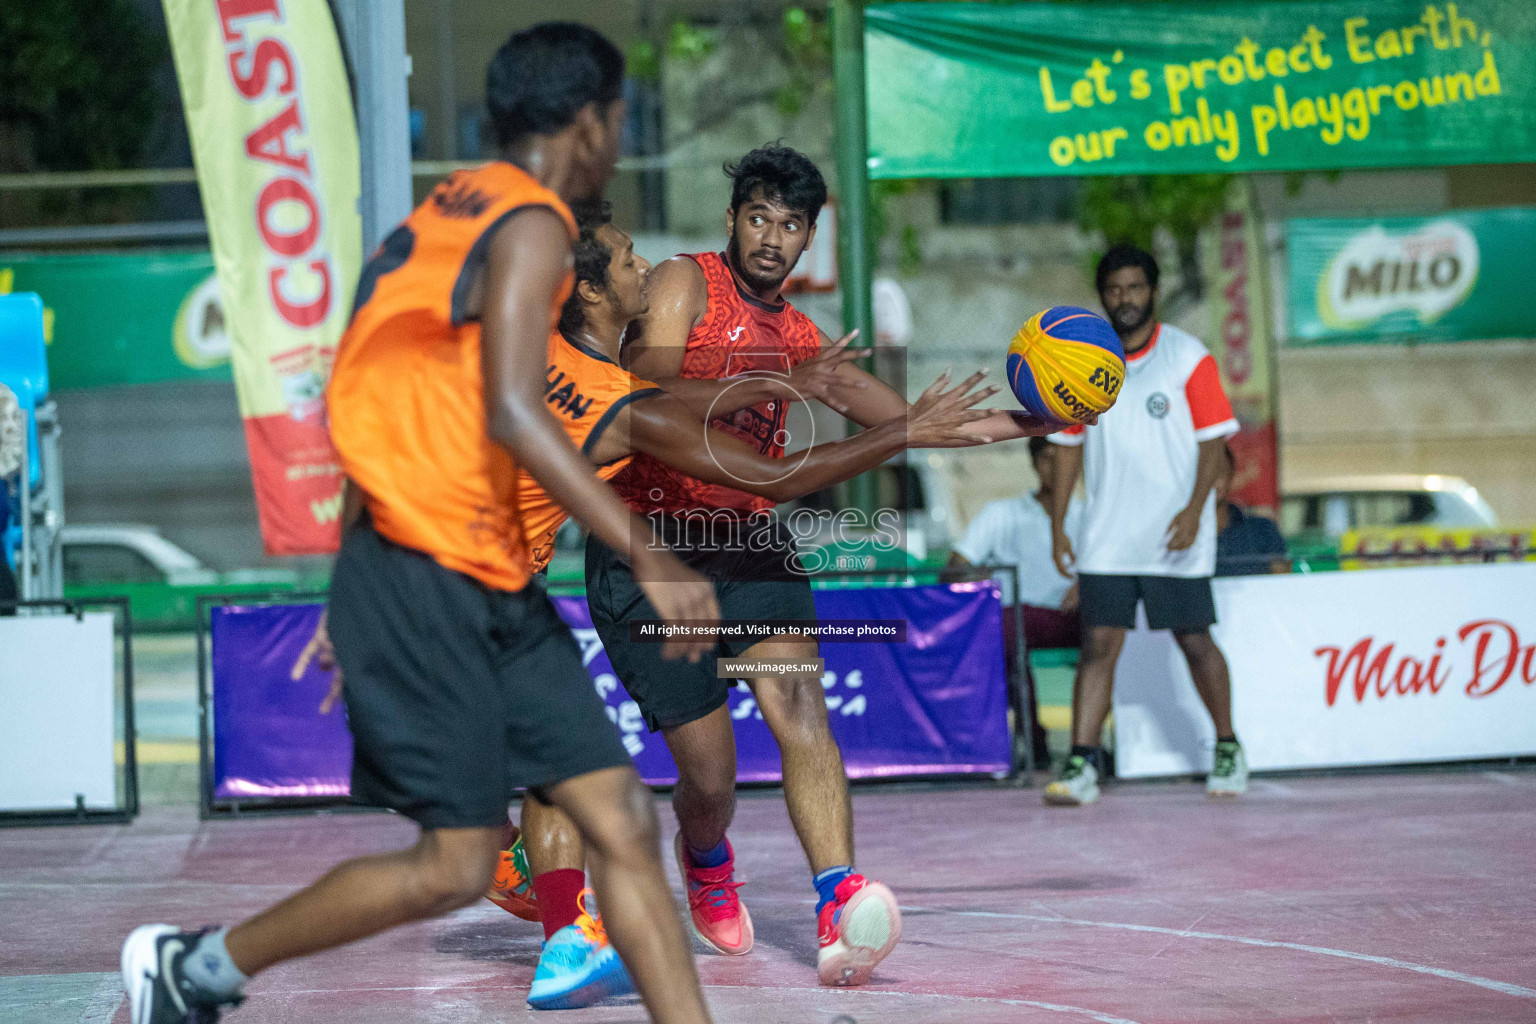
[{"x": 158, "y": 992}]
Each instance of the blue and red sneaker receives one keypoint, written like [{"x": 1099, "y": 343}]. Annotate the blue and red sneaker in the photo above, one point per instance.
[
  {"x": 715, "y": 911},
  {"x": 578, "y": 966},
  {"x": 859, "y": 928}
]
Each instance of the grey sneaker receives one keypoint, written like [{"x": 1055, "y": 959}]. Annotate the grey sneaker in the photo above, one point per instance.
[
  {"x": 1229, "y": 777},
  {"x": 1078, "y": 784}
]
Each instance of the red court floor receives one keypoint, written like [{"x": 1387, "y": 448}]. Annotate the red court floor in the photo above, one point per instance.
[{"x": 1382, "y": 898}]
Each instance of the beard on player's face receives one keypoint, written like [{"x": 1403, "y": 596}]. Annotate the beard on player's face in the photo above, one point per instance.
[
  {"x": 1130, "y": 316},
  {"x": 743, "y": 260}
]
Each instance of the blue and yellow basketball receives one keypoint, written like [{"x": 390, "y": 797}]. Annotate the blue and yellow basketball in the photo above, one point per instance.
[{"x": 1065, "y": 365}]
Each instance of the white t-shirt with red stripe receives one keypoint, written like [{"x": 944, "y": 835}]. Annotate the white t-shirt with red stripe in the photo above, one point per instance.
[{"x": 1139, "y": 461}]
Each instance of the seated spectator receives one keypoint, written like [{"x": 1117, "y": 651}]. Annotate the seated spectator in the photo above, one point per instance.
[
  {"x": 1246, "y": 544},
  {"x": 1017, "y": 532},
  {"x": 13, "y": 436}
]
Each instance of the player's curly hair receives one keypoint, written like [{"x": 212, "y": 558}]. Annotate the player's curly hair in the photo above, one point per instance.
[
  {"x": 591, "y": 258},
  {"x": 1121, "y": 256},
  {"x": 542, "y": 77},
  {"x": 783, "y": 175}
]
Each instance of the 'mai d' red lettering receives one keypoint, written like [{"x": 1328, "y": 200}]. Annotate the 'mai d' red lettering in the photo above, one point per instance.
[
  {"x": 1497, "y": 654},
  {"x": 1492, "y": 666},
  {"x": 1368, "y": 670}
]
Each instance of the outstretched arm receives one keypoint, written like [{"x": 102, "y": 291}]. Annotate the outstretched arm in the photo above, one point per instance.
[
  {"x": 665, "y": 428},
  {"x": 524, "y": 268},
  {"x": 871, "y": 401}
]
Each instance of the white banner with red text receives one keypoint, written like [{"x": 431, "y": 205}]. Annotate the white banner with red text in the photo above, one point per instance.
[
  {"x": 274, "y": 140},
  {"x": 1394, "y": 666}
]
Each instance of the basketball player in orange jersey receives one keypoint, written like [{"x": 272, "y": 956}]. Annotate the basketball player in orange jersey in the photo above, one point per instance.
[
  {"x": 462, "y": 683},
  {"x": 713, "y": 316},
  {"x": 611, "y": 415}
]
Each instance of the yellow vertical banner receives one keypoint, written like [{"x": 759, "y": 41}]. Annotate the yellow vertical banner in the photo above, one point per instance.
[
  {"x": 1244, "y": 344},
  {"x": 274, "y": 140}
]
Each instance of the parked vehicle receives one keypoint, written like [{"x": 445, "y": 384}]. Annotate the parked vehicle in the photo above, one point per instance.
[
  {"x": 161, "y": 580},
  {"x": 1316, "y": 513},
  {"x": 1331, "y": 506}
]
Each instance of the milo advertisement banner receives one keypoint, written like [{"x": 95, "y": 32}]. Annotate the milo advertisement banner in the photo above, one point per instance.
[
  {"x": 1456, "y": 277},
  {"x": 116, "y": 318},
  {"x": 274, "y": 140}
]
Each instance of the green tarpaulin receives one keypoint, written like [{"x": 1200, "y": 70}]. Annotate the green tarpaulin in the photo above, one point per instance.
[{"x": 1197, "y": 86}]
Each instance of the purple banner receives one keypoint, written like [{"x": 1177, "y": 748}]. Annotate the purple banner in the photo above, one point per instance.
[
  {"x": 269, "y": 738},
  {"x": 936, "y": 704}
]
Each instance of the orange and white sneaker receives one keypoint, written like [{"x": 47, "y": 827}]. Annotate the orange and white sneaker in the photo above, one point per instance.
[
  {"x": 715, "y": 911},
  {"x": 512, "y": 887},
  {"x": 859, "y": 928}
]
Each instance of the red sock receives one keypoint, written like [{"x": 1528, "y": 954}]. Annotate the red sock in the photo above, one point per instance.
[{"x": 559, "y": 896}]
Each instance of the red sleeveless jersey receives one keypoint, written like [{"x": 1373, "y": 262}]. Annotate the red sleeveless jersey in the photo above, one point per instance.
[{"x": 738, "y": 334}]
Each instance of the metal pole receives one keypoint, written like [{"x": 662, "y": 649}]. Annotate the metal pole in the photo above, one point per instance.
[
  {"x": 854, "y": 253},
  {"x": 50, "y": 562},
  {"x": 373, "y": 33},
  {"x": 24, "y": 556},
  {"x": 1027, "y": 707}
]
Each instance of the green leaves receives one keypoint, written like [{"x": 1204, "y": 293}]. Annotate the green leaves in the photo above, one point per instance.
[{"x": 78, "y": 82}]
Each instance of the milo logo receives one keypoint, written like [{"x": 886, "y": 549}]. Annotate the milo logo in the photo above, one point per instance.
[
  {"x": 1076, "y": 408},
  {"x": 1427, "y": 273}
]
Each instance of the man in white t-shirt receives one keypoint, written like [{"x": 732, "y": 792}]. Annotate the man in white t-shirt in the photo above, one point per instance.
[
  {"x": 1149, "y": 530},
  {"x": 1017, "y": 532}
]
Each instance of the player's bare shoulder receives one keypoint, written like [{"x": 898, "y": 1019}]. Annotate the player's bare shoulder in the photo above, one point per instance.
[
  {"x": 678, "y": 288},
  {"x": 678, "y": 302}
]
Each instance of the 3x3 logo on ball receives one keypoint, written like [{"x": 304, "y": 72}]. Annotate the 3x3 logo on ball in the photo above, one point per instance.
[
  {"x": 1157, "y": 405},
  {"x": 1105, "y": 381}
]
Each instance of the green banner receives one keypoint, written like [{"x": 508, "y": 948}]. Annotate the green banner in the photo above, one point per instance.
[
  {"x": 125, "y": 318},
  {"x": 1197, "y": 86},
  {"x": 1457, "y": 277}
]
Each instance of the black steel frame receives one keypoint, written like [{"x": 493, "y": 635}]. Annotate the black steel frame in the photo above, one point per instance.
[
  {"x": 80, "y": 814},
  {"x": 209, "y": 808},
  {"x": 1021, "y": 769}
]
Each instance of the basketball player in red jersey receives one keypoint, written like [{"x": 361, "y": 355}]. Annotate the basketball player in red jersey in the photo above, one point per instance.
[
  {"x": 713, "y": 317},
  {"x": 611, "y": 415},
  {"x": 462, "y": 683}
]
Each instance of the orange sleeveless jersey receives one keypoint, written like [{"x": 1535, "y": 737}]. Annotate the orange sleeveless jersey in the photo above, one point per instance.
[
  {"x": 738, "y": 334},
  {"x": 406, "y": 401},
  {"x": 585, "y": 390}
]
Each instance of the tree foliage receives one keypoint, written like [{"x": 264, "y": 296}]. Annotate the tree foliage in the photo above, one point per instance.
[
  {"x": 77, "y": 89},
  {"x": 1134, "y": 208}
]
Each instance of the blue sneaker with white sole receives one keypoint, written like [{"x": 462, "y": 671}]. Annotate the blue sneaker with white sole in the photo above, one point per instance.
[{"x": 578, "y": 967}]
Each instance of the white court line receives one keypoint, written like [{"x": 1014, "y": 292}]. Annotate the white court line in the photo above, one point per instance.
[
  {"x": 1102, "y": 1018},
  {"x": 824, "y": 991},
  {"x": 1507, "y": 988}
]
